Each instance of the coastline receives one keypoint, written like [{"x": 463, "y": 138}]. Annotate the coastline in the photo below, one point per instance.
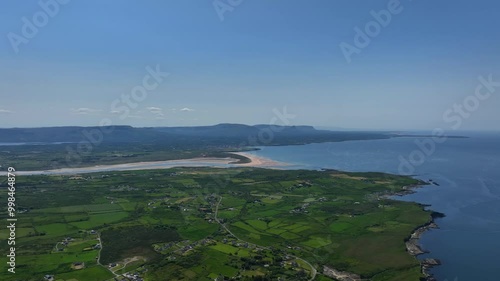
[
  {"x": 258, "y": 161},
  {"x": 216, "y": 162},
  {"x": 412, "y": 242}
]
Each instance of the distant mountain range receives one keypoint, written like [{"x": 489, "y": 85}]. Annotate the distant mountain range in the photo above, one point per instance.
[{"x": 221, "y": 134}]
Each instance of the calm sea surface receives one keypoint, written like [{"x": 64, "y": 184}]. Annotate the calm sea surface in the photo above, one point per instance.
[
  {"x": 468, "y": 173},
  {"x": 30, "y": 143}
]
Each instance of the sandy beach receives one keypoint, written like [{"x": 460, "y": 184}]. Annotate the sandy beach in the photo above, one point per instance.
[
  {"x": 227, "y": 162},
  {"x": 258, "y": 161}
]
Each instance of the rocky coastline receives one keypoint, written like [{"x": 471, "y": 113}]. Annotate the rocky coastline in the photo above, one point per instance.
[
  {"x": 413, "y": 247},
  {"x": 412, "y": 242}
]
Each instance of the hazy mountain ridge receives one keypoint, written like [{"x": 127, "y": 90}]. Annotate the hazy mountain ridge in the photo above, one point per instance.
[{"x": 221, "y": 134}]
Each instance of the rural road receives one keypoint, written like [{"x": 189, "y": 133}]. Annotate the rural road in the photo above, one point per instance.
[{"x": 314, "y": 272}]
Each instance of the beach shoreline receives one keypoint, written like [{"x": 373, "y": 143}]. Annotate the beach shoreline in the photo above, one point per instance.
[
  {"x": 258, "y": 161},
  {"x": 215, "y": 162}
]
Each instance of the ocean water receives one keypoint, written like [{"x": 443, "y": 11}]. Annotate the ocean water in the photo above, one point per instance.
[
  {"x": 468, "y": 173},
  {"x": 30, "y": 143}
]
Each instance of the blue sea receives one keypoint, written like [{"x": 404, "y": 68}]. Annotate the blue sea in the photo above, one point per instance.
[
  {"x": 468, "y": 173},
  {"x": 30, "y": 143}
]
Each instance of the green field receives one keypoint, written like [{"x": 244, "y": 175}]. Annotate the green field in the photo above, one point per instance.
[{"x": 162, "y": 225}]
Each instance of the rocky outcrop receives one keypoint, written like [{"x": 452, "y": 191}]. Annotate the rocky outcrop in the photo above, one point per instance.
[
  {"x": 413, "y": 247},
  {"x": 340, "y": 275},
  {"x": 412, "y": 244},
  {"x": 428, "y": 264}
]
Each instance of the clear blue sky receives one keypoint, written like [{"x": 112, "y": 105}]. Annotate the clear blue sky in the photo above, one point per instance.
[{"x": 263, "y": 55}]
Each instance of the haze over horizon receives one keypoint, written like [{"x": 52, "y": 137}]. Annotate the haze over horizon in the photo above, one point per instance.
[
  {"x": 329, "y": 128},
  {"x": 259, "y": 60}
]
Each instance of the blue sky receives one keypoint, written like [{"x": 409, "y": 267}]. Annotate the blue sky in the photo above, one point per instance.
[{"x": 263, "y": 55}]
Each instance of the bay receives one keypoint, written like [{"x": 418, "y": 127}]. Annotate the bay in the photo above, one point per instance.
[{"x": 467, "y": 172}]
